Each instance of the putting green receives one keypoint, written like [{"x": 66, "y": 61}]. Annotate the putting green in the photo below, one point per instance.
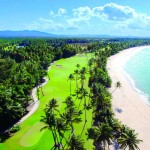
[{"x": 30, "y": 137}]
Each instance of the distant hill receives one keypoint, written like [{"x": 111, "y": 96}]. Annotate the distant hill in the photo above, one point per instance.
[
  {"x": 39, "y": 34},
  {"x": 25, "y": 33}
]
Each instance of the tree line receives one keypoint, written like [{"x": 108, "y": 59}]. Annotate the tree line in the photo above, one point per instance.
[
  {"x": 22, "y": 68},
  {"x": 23, "y": 64}
]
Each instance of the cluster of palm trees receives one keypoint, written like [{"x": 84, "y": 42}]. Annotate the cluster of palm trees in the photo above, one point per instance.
[
  {"x": 105, "y": 129},
  {"x": 63, "y": 124}
]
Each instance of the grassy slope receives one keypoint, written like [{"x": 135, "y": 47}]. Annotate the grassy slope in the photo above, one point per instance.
[{"x": 30, "y": 137}]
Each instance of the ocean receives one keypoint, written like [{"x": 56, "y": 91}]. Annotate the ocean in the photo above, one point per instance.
[{"x": 137, "y": 70}]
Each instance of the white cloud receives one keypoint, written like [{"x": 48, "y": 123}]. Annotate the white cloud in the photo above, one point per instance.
[
  {"x": 136, "y": 23},
  {"x": 48, "y": 24},
  {"x": 124, "y": 16},
  {"x": 60, "y": 12},
  {"x": 113, "y": 16},
  {"x": 51, "y": 13},
  {"x": 118, "y": 12},
  {"x": 80, "y": 12},
  {"x": 110, "y": 12},
  {"x": 98, "y": 12},
  {"x": 46, "y": 20}
]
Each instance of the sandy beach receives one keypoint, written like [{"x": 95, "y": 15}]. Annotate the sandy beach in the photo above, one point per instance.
[{"x": 133, "y": 109}]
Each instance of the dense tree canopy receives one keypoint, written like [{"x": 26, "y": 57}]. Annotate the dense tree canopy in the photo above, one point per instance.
[{"x": 23, "y": 64}]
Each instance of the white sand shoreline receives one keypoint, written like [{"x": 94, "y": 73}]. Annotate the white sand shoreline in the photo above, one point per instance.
[{"x": 135, "y": 111}]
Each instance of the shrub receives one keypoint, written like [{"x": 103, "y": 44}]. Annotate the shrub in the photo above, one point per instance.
[{"x": 15, "y": 129}]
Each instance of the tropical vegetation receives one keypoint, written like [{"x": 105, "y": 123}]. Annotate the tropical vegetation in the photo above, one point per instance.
[{"x": 24, "y": 64}]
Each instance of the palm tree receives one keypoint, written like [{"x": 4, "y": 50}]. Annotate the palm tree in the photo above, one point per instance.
[
  {"x": 90, "y": 63},
  {"x": 83, "y": 78},
  {"x": 51, "y": 120},
  {"x": 71, "y": 114},
  {"x": 76, "y": 143},
  {"x": 102, "y": 136},
  {"x": 129, "y": 139},
  {"x": 84, "y": 95},
  {"x": 62, "y": 127},
  {"x": 76, "y": 72},
  {"x": 71, "y": 78},
  {"x": 78, "y": 66},
  {"x": 117, "y": 85},
  {"x": 117, "y": 127},
  {"x": 52, "y": 105},
  {"x": 83, "y": 70},
  {"x": 69, "y": 102},
  {"x": 93, "y": 134}
]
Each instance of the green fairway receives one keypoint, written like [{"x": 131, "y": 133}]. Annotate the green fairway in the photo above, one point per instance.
[
  {"x": 30, "y": 137},
  {"x": 33, "y": 135}
]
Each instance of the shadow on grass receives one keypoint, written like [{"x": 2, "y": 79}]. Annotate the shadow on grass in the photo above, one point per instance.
[{"x": 4, "y": 136}]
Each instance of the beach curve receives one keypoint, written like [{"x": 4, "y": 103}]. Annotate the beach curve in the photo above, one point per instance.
[{"x": 135, "y": 112}]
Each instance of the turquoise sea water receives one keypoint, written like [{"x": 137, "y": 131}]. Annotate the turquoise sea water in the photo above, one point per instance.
[{"x": 138, "y": 72}]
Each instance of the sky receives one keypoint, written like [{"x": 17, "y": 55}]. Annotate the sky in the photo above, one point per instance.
[{"x": 102, "y": 17}]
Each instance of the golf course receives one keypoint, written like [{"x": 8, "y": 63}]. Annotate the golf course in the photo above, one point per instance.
[
  {"x": 72, "y": 108},
  {"x": 30, "y": 136}
]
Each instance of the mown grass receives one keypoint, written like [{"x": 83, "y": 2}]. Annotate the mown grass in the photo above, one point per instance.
[{"x": 30, "y": 137}]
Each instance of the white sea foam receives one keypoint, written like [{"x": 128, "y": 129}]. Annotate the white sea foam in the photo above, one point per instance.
[{"x": 131, "y": 81}]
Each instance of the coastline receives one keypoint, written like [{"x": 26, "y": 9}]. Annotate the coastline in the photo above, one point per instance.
[{"x": 134, "y": 111}]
